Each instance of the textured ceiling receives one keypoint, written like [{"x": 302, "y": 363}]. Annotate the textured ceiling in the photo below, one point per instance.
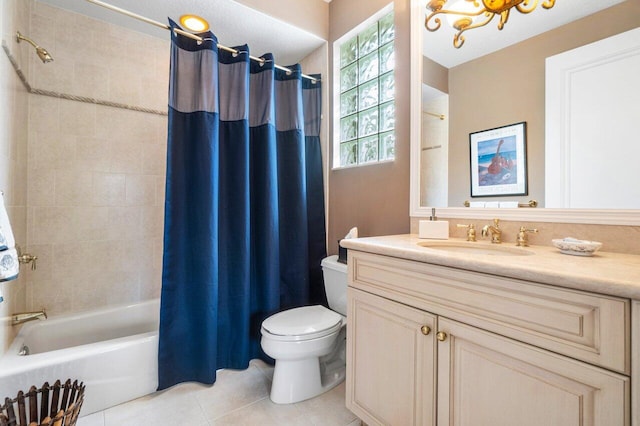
[
  {"x": 233, "y": 23},
  {"x": 438, "y": 45}
]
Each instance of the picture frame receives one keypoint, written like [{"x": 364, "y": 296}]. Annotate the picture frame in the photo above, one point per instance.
[{"x": 499, "y": 161}]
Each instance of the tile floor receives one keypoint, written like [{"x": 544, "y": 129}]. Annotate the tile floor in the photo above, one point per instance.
[{"x": 237, "y": 398}]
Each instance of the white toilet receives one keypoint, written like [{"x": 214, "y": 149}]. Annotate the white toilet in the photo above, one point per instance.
[{"x": 308, "y": 343}]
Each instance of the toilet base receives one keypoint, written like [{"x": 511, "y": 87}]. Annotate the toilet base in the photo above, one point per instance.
[
  {"x": 301, "y": 379},
  {"x": 295, "y": 381}
]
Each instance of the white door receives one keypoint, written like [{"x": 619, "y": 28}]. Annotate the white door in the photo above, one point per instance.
[{"x": 592, "y": 115}]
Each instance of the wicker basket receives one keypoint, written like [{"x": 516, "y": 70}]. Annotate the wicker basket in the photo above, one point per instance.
[{"x": 59, "y": 406}]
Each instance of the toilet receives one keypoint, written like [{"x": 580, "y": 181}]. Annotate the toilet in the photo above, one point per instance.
[{"x": 308, "y": 343}]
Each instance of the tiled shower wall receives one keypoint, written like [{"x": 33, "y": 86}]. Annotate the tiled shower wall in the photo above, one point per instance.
[
  {"x": 96, "y": 174},
  {"x": 14, "y": 16}
]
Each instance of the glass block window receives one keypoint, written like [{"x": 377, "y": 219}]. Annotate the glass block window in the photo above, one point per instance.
[{"x": 366, "y": 95}]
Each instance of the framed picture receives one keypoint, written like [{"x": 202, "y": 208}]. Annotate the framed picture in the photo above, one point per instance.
[{"x": 499, "y": 161}]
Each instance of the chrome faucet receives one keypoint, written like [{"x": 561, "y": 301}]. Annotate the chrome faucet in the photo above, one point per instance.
[
  {"x": 27, "y": 316},
  {"x": 494, "y": 230}
]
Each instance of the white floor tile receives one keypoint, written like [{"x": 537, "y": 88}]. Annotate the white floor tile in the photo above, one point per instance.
[
  {"x": 239, "y": 397},
  {"x": 328, "y": 409},
  {"x": 233, "y": 389},
  {"x": 173, "y": 406},
  {"x": 264, "y": 413},
  {"x": 264, "y": 368}
]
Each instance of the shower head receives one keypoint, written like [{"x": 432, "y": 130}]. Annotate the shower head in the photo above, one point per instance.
[
  {"x": 40, "y": 51},
  {"x": 43, "y": 54}
]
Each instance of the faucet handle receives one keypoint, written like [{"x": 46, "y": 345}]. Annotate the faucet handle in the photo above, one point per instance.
[
  {"x": 496, "y": 222},
  {"x": 28, "y": 258},
  {"x": 471, "y": 231},
  {"x": 522, "y": 240}
]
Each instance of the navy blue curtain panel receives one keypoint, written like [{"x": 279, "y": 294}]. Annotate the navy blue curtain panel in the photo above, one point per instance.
[
  {"x": 189, "y": 298},
  {"x": 292, "y": 177},
  {"x": 244, "y": 209},
  {"x": 312, "y": 105}
]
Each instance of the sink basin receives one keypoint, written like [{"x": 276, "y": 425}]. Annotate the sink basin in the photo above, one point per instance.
[{"x": 475, "y": 248}]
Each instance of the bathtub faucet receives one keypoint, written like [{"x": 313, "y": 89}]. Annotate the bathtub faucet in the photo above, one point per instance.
[{"x": 27, "y": 316}]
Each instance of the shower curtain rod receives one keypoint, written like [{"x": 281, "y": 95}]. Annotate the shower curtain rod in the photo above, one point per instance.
[{"x": 187, "y": 34}]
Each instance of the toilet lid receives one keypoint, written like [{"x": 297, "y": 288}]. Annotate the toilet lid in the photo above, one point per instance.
[{"x": 308, "y": 322}]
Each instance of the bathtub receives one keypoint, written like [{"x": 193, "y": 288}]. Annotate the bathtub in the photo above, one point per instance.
[{"x": 114, "y": 351}]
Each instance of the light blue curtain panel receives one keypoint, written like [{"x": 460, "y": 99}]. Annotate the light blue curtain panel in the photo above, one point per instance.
[{"x": 244, "y": 210}]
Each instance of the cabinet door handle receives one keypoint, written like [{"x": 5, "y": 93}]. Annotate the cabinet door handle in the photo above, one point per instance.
[
  {"x": 441, "y": 336},
  {"x": 425, "y": 330}
]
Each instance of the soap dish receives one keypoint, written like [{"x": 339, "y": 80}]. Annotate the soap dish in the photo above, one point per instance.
[{"x": 577, "y": 247}]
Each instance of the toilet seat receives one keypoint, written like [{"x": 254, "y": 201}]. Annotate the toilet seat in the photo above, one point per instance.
[{"x": 305, "y": 323}]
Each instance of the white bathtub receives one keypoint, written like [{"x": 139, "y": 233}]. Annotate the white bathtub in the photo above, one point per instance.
[{"x": 114, "y": 351}]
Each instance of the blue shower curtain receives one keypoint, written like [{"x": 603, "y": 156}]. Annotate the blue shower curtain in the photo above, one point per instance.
[{"x": 244, "y": 209}]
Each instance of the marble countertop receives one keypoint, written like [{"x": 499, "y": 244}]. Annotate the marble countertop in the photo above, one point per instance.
[{"x": 613, "y": 274}]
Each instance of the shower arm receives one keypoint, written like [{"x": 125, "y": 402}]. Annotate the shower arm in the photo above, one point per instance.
[{"x": 20, "y": 37}]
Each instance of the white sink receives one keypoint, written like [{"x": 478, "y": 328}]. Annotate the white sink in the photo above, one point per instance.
[{"x": 475, "y": 248}]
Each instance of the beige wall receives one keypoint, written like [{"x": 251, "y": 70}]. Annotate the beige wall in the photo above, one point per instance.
[
  {"x": 374, "y": 198},
  {"x": 435, "y": 75},
  {"x": 14, "y": 15},
  {"x": 96, "y": 173},
  {"x": 508, "y": 87}
]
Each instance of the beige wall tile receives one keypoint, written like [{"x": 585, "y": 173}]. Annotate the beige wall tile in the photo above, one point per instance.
[
  {"x": 92, "y": 223},
  {"x": 77, "y": 118},
  {"x": 150, "y": 283},
  {"x": 44, "y": 114},
  {"x": 154, "y": 158},
  {"x": 108, "y": 189},
  {"x": 152, "y": 222},
  {"x": 90, "y": 80},
  {"x": 51, "y": 151},
  {"x": 161, "y": 187},
  {"x": 93, "y": 154},
  {"x": 50, "y": 225},
  {"x": 41, "y": 188},
  {"x": 55, "y": 76},
  {"x": 72, "y": 188},
  {"x": 124, "y": 85},
  {"x": 126, "y": 157},
  {"x": 125, "y": 223},
  {"x": 141, "y": 190}
]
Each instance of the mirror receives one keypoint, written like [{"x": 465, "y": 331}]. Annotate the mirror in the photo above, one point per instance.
[{"x": 499, "y": 89}]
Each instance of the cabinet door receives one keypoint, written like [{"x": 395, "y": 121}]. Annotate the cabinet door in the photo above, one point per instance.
[
  {"x": 488, "y": 380},
  {"x": 390, "y": 361}
]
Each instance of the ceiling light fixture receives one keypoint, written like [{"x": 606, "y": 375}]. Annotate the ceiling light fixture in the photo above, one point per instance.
[
  {"x": 194, "y": 23},
  {"x": 465, "y": 14}
]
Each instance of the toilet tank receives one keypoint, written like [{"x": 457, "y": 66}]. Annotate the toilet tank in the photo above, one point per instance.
[{"x": 335, "y": 284}]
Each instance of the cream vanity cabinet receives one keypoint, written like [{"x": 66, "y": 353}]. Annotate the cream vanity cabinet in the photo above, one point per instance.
[{"x": 432, "y": 345}]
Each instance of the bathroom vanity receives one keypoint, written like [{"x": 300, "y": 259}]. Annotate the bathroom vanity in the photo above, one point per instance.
[{"x": 520, "y": 336}]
